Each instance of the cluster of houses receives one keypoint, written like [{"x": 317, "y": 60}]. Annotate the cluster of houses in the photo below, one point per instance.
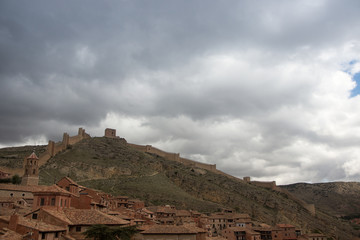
[{"x": 66, "y": 209}]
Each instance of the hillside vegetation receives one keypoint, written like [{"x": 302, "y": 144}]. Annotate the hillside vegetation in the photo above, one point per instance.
[
  {"x": 112, "y": 166},
  {"x": 336, "y": 198}
]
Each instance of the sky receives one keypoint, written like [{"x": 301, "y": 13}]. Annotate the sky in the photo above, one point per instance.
[{"x": 267, "y": 89}]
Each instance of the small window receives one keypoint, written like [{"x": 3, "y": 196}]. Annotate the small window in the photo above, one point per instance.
[
  {"x": 23, "y": 194},
  {"x": 67, "y": 188},
  {"x": 43, "y": 236},
  {"x": 11, "y": 194},
  {"x": 78, "y": 228},
  {"x": 34, "y": 171},
  {"x": 42, "y": 201},
  {"x": 34, "y": 216},
  {"x": 56, "y": 234}
]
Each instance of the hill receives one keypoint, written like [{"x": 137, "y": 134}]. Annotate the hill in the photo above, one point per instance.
[
  {"x": 113, "y": 166},
  {"x": 336, "y": 198}
]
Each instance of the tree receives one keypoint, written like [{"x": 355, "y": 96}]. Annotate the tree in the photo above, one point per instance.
[
  {"x": 103, "y": 232},
  {"x": 16, "y": 179},
  {"x": 125, "y": 233},
  {"x": 99, "y": 232}
]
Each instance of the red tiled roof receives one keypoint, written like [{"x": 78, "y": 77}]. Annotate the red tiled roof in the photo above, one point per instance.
[
  {"x": 91, "y": 216},
  {"x": 32, "y": 156},
  {"x": 50, "y": 189},
  {"x": 171, "y": 230},
  {"x": 36, "y": 224},
  {"x": 182, "y": 213},
  {"x": 281, "y": 225},
  {"x": 9, "y": 235}
]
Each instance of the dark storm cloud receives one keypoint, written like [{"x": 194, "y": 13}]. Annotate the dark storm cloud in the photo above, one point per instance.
[{"x": 238, "y": 83}]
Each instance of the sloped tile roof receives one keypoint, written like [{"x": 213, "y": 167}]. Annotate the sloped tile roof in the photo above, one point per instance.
[
  {"x": 169, "y": 229},
  {"x": 36, "y": 224},
  {"x": 33, "y": 156},
  {"x": 281, "y": 225},
  {"x": 91, "y": 216},
  {"x": 50, "y": 189},
  {"x": 7, "y": 234},
  {"x": 73, "y": 216}
]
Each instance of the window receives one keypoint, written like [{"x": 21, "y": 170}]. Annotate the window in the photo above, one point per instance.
[
  {"x": 11, "y": 194},
  {"x": 42, "y": 201},
  {"x": 43, "y": 236},
  {"x": 53, "y": 202},
  {"x": 78, "y": 229},
  {"x": 61, "y": 202},
  {"x": 56, "y": 234},
  {"x": 67, "y": 188},
  {"x": 34, "y": 171},
  {"x": 34, "y": 216}
]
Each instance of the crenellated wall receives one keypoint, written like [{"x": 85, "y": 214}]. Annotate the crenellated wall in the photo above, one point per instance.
[
  {"x": 54, "y": 148},
  {"x": 173, "y": 157}
]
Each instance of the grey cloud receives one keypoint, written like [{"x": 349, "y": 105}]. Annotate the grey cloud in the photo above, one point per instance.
[{"x": 68, "y": 64}]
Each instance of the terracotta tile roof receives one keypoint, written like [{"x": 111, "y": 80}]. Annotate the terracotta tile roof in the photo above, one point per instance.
[
  {"x": 13, "y": 187},
  {"x": 182, "y": 213},
  {"x": 170, "y": 230},
  {"x": 33, "y": 189},
  {"x": 32, "y": 156},
  {"x": 91, "y": 216},
  {"x": 50, "y": 189},
  {"x": 197, "y": 229},
  {"x": 147, "y": 211},
  {"x": 36, "y": 224},
  {"x": 281, "y": 225},
  {"x": 7, "y": 234},
  {"x": 57, "y": 214}
]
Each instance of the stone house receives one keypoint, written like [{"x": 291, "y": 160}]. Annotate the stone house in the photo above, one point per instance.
[
  {"x": 75, "y": 221},
  {"x": 51, "y": 196},
  {"x": 284, "y": 232},
  {"x": 223, "y": 220},
  {"x": 32, "y": 228}
]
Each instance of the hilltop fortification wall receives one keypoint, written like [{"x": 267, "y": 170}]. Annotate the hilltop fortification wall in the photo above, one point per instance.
[
  {"x": 54, "y": 148},
  {"x": 173, "y": 157}
]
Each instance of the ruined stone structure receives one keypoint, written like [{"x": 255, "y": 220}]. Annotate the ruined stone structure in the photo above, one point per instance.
[
  {"x": 31, "y": 175},
  {"x": 174, "y": 157},
  {"x": 110, "y": 133},
  {"x": 270, "y": 184},
  {"x": 54, "y": 148}
]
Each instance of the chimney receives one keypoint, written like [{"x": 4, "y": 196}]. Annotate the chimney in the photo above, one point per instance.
[{"x": 14, "y": 220}]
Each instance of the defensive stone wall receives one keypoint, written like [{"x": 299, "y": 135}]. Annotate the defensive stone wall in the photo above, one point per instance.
[
  {"x": 173, "y": 157},
  {"x": 54, "y": 148},
  {"x": 270, "y": 185}
]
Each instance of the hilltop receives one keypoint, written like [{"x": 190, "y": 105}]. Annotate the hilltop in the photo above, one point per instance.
[
  {"x": 111, "y": 165},
  {"x": 336, "y": 198}
]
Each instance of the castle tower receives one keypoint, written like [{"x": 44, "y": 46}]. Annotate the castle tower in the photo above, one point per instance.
[{"x": 31, "y": 175}]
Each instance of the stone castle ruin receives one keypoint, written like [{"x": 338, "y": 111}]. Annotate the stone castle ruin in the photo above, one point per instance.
[{"x": 55, "y": 147}]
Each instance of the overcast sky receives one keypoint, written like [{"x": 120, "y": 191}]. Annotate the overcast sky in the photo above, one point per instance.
[{"x": 266, "y": 89}]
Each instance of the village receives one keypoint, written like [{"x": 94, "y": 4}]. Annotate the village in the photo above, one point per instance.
[{"x": 65, "y": 210}]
